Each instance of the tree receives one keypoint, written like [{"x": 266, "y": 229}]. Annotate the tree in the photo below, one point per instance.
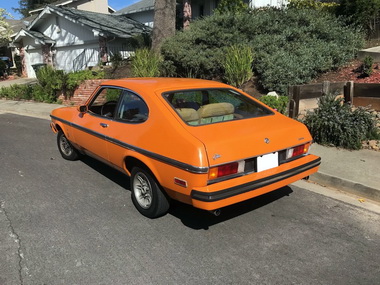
[
  {"x": 5, "y": 30},
  {"x": 164, "y": 22},
  {"x": 28, "y": 5},
  {"x": 364, "y": 13}
]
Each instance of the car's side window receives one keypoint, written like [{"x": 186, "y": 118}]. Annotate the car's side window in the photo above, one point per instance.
[
  {"x": 132, "y": 108},
  {"x": 105, "y": 102}
]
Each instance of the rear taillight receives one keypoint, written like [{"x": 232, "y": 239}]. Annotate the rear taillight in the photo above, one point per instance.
[
  {"x": 297, "y": 151},
  {"x": 226, "y": 170}
]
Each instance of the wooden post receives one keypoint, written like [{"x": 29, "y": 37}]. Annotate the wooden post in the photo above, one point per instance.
[
  {"x": 294, "y": 100},
  {"x": 349, "y": 92},
  {"x": 291, "y": 101},
  {"x": 325, "y": 88}
]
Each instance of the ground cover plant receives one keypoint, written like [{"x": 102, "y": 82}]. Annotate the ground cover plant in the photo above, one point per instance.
[{"x": 290, "y": 46}]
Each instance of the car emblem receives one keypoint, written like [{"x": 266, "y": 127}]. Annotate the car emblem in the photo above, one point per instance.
[
  {"x": 216, "y": 156},
  {"x": 266, "y": 140}
]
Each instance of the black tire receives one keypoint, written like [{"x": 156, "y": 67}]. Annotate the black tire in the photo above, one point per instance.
[
  {"x": 65, "y": 148},
  {"x": 147, "y": 195}
]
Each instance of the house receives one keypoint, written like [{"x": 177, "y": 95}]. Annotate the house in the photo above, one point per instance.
[
  {"x": 143, "y": 11},
  {"x": 71, "y": 39},
  {"x": 99, "y": 6}
]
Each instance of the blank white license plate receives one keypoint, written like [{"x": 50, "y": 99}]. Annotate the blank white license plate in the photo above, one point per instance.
[{"x": 267, "y": 161}]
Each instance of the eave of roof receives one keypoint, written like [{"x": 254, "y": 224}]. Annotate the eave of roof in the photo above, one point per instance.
[
  {"x": 101, "y": 24},
  {"x": 39, "y": 37}
]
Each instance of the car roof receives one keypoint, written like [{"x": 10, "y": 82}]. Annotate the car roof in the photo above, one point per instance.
[{"x": 163, "y": 83}]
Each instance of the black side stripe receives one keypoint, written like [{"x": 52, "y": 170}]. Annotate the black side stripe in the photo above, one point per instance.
[
  {"x": 158, "y": 157},
  {"x": 253, "y": 185}
]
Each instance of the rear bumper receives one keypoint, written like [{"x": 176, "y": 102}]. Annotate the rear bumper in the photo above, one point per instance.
[{"x": 211, "y": 197}]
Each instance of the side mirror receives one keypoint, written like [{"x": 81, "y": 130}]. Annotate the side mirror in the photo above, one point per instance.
[{"x": 82, "y": 109}]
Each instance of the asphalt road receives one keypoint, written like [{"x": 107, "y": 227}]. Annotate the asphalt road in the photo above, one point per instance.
[{"x": 67, "y": 222}]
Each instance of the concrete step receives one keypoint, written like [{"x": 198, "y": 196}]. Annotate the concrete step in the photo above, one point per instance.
[{"x": 373, "y": 52}]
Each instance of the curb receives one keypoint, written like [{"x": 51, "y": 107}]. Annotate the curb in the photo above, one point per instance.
[{"x": 346, "y": 185}]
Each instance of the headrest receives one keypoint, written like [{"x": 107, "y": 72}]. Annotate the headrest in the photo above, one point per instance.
[
  {"x": 216, "y": 109},
  {"x": 188, "y": 114}
]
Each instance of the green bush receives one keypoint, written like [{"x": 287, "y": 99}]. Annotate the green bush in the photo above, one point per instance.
[
  {"x": 238, "y": 64},
  {"x": 334, "y": 123},
  {"x": 279, "y": 103},
  {"x": 146, "y": 63},
  {"x": 17, "y": 92},
  {"x": 51, "y": 80},
  {"x": 366, "y": 67},
  {"x": 291, "y": 46},
  {"x": 74, "y": 79}
]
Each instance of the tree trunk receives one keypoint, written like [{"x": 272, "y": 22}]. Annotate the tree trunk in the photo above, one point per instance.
[
  {"x": 186, "y": 13},
  {"x": 164, "y": 22}
]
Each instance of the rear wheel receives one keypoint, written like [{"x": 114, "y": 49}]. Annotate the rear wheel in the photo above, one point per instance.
[
  {"x": 147, "y": 195},
  {"x": 65, "y": 148}
]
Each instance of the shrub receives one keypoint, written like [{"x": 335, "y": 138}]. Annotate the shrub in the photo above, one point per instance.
[
  {"x": 334, "y": 123},
  {"x": 366, "y": 67},
  {"x": 279, "y": 103},
  {"x": 238, "y": 64},
  {"x": 291, "y": 46},
  {"x": 73, "y": 79},
  {"x": 17, "y": 92},
  {"x": 116, "y": 60},
  {"x": 146, "y": 63},
  {"x": 51, "y": 81}
]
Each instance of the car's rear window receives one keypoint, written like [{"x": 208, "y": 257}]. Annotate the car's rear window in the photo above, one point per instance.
[{"x": 207, "y": 106}]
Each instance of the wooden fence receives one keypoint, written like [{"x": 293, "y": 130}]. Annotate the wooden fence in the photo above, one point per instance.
[{"x": 363, "y": 93}]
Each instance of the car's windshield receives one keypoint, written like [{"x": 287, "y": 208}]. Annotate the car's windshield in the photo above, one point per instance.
[{"x": 206, "y": 106}]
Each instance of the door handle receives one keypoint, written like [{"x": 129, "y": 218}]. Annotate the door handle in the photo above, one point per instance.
[{"x": 103, "y": 125}]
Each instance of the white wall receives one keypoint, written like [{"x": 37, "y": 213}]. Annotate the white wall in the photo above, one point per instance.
[
  {"x": 264, "y": 3},
  {"x": 83, "y": 56},
  {"x": 99, "y": 6},
  {"x": 145, "y": 17},
  {"x": 65, "y": 32}
]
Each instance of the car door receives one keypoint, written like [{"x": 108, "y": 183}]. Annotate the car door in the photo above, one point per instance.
[
  {"x": 92, "y": 131},
  {"x": 129, "y": 128}
]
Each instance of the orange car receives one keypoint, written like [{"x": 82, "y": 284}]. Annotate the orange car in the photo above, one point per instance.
[{"x": 201, "y": 142}]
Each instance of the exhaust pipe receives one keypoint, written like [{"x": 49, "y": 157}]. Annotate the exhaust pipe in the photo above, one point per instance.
[{"x": 216, "y": 212}]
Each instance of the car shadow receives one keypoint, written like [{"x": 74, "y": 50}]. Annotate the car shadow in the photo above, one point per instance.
[
  {"x": 199, "y": 219},
  {"x": 111, "y": 173},
  {"x": 192, "y": 217}
]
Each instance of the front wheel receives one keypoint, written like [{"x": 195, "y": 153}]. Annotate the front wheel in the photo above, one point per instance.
[
  {"x": 147, "y": 196},
  {"x": 65, "y": 148}
]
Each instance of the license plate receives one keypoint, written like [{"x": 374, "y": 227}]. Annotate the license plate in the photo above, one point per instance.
[{"x": 267, "y": 161}]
